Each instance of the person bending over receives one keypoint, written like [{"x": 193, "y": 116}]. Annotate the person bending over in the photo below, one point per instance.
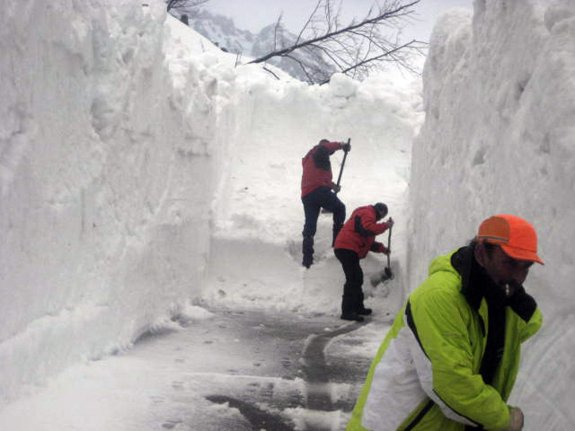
[{"x": 354, "y": 241}]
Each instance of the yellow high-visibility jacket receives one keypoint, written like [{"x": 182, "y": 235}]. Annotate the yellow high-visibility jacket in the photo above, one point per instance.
[{"x": 425, "y": 376}]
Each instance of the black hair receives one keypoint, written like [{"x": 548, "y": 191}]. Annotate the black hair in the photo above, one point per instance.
[
  {"x": 488, "y": 246},
  {"x": 380, "y": 209}
]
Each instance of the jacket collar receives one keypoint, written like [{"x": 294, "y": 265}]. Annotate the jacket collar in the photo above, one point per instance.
[
  {"x": 475, "y": 283},
  {"x": 463, "y": 260}
]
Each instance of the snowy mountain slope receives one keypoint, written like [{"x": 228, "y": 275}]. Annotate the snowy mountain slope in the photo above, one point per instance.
[{"x": 222, "y": 31}]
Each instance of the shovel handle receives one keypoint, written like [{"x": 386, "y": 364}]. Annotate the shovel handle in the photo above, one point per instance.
[
  {"x": 342, "y": 164},
  {"x": 388, "y": 246}
]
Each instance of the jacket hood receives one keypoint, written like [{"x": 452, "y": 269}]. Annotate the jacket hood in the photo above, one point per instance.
[
  {"x": 461, "y": 263},
  {"x": 441, "y": 264}
]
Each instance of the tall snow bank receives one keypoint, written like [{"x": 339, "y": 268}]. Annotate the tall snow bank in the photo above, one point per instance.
[
  {"x": 258, "y": 214},
  {"x": 499, "y": 136},
  {"x": 107, "y": 148}
]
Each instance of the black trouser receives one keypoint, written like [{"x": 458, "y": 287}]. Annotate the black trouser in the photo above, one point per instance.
[
  {"x": 313, "y": 202},
  {"x": 352, "y": 300}
]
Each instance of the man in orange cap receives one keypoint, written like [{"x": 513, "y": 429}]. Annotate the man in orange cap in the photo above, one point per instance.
[{"x": 450, "y": 360}]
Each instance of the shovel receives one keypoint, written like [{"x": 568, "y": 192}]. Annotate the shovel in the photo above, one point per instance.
[
  {"x": 342, "y": 165},
  {"x": 386, "y": 274},
  {"x": 324, "y": 210}
]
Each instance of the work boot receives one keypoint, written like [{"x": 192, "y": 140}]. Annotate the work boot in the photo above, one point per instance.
[
  {"x": 364, "y": 311},
  {"x": 352, "y": 315},
  {"x": 307, "y": 251}
]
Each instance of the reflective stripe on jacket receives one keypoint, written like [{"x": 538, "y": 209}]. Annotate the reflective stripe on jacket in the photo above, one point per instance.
[{"x": 425, "y": 375}]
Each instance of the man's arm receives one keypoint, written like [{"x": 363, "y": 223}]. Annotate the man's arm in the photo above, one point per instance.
[
  {"x": 321, "y": 158},
  {"x": 366, "y": 224},
  {"x": 444, "y": 359}
]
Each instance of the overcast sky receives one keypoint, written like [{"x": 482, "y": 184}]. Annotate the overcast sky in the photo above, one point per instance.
[{"x": 253, "y": 15}]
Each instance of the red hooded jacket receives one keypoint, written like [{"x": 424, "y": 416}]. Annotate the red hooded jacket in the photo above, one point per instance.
[
  {"x": 317, "y": 167},
  {"x": 359, "y": 231}
]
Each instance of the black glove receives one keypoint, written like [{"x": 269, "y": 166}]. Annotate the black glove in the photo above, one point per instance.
[
  {"x": 378, "y": 247},
  {"x": 522, "y": 303},
  {"x": 346, "y": 147}
]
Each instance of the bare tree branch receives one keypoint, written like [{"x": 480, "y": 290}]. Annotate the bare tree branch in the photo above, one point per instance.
[
  {"x": 183, "y": 5},
  {"x": 374, "y": 20},
  {"x": 277, "y": 29},
  {"x": 271, "y": 72},
  {"x": 309, "y": 20},
  {"x": 355, "y": 49}
]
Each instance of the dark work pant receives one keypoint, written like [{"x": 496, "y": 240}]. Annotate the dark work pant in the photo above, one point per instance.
[
  {"x": 352, "y": 300},
  {"x": 313, "y": 202}
]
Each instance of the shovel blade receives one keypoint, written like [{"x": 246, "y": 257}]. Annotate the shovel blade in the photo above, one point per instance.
[
  {"x": 387, "y": 273},
  {"x": 383, "y": 275},
  {"x": 379, "y": 277}
]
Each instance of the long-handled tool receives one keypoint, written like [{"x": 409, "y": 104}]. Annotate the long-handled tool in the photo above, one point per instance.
[
  {"x": 325, "y": 210},
  {"x": 341, "y": 167},
  {"x": 386, "y": 274}
]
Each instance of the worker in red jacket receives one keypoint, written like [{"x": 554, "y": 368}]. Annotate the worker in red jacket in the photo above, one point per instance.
[
  {"x": 355, "y": 239},
  {"x": 317, "y": 192}
]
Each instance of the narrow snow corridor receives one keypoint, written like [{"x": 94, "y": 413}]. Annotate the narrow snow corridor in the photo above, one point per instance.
[{"x": 151, "y": 220}]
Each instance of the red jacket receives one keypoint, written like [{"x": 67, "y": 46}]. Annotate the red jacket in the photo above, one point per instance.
[
  {"x": 317, "y": 167},
  {"x": 359, "y": 231}
]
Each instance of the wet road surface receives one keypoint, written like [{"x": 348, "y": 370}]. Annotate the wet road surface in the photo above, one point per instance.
[{"x": 274, "y": 371}]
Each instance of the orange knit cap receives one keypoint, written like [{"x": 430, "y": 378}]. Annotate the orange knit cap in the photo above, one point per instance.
[{"x": 517, "y": 237}]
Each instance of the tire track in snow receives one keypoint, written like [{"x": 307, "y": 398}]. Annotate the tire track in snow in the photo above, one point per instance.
[
  {"x": 258, "y": 418},
  {"x": 318, "y": 386},
  {"x": 303, "y": 342}
]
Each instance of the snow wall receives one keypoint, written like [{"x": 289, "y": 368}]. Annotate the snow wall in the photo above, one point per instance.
[
  {"x": 104, "y": 221},
  {"x": 499, "y": 136}
]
